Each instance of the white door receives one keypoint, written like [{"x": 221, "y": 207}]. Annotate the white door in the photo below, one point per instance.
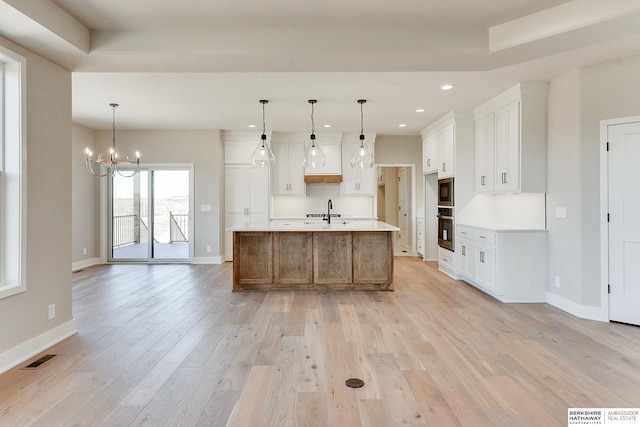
[
  {"x": 624, "y": 222},
  {"x": 403, "y": 208}
]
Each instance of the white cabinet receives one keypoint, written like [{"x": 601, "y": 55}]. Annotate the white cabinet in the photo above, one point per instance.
[
  {"x": 331, "y": 147},
  {"x": 356, "y": 181},
  {"x": 446, "y": 147},
  {"x": 288, "y": 172},
  {"x": 485, "y": 130},
  {"x": 420, "y": 235},
  {"x": 511, "y": 146},
  {"x": 429, "y": 154},
  {"x": 246, "y": 189},
  {"x": 507, "y": 264}
]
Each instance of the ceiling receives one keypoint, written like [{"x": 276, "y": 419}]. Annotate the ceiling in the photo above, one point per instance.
[{"x": 203, "y": 64}]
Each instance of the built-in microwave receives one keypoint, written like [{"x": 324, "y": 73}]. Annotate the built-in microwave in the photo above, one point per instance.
[{"x": 445, "y": 192}]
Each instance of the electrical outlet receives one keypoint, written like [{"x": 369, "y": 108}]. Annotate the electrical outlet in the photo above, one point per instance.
[
  {"x": 84, "y": 251},
  {"x": 557, "y": 281},
  {"x": 209, "y": 248},
  {"x": 52, "y": 311}
]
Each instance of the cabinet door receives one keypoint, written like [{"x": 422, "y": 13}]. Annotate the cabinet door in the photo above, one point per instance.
[
  {"x": 507, "y": 146},
  {"x": 429, "y": 154},
  {"x": 258, "y": 195},
  {"x": 333, "y": 160},
  {"x": 235, "y": 203},
  {"x": 238, "y": 152},
  {"x": 446, "y": 141},
  {"x": 281, "y": 168},
  {"x": 355, "y": 181},
  {"x": 465, "y": 252},
  {"x": 296, "y": 170},
  {"x": 484, "y": 154},
  {"x": 485, "y": 266}
]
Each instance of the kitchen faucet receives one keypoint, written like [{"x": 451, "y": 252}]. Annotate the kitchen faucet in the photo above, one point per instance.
[{"x": 329, "y": 207}]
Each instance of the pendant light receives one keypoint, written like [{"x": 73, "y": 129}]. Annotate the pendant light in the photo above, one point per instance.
[
  {"x": 362, "y": 157},
  {"x": 313, "y": 156},
  {"x": 262, "y": 156},
  {"x": 111, "y": 160}
]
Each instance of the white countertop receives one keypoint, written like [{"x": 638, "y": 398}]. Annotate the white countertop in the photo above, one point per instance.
[
  {"x": 500, "y": 227},
  {"x": 337, "y": 224},
  {"x": 342, "y": 218}
]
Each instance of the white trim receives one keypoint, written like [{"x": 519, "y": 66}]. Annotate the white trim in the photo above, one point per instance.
[
  {"x": 578, "y": 310},
  {"x": 604, "y": 210},
  {"x": 28, "y": 349},
  {"x": 75, "y": 266},
  {"x": 207, "y": 260}
]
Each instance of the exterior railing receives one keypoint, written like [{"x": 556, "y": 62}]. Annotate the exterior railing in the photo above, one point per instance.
[
  {"x": 178, "y": 227},
  {"x": 126, "y": 230}
]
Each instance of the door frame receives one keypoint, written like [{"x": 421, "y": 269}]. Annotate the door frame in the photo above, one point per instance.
[
  {"x": 412, "y": 222},
  {"x": 604, "y": 211},
  {"x": 104, "y": 215}
]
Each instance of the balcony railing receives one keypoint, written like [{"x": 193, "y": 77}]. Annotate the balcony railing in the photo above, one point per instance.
[
  {"x": 178, "y": 227},
  {"x": 126, "y": 230}
]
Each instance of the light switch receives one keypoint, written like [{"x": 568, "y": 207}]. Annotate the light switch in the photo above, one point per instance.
[
  {"x": 205, "y": 208},
  {"x": 561, "y": 212}
]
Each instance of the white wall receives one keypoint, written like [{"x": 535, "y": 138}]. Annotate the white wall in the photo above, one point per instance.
[
  {"x": 579, "y": 100},
  {"x": 24, "y": 325},
  {"x": 203, "y": 149},
  {"x": 85, "y": 201}
]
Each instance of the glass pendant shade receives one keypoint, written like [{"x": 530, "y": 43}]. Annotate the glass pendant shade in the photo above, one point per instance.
[
  {"x": 362, "y": 157},
  {"x": 313, "y": 156},
  {"x": 262, "y": 156}
]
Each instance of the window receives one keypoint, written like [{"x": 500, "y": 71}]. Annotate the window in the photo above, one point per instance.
[{"x": 12, "y": 174}]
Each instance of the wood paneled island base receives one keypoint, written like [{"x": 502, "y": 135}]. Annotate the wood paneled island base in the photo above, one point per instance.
[{"x": 312, "y": 260}]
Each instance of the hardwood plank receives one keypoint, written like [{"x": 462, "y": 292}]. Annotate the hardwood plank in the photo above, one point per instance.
[
  {"x": 252, "y": 402},
  {"x": 311, "y": 409}
]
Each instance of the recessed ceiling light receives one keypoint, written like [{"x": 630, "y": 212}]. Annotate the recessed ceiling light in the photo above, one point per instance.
[
  {"x": 402, "y": 125},
  {"x": 327, "y": 126},
  {"x": 419, "y": 110},
  {"x": 447, "y": 86},
  {"x": 252, "y": 126}
]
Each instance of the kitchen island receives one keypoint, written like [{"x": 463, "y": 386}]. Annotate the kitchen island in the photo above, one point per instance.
[{"x": 316, "y": 255}]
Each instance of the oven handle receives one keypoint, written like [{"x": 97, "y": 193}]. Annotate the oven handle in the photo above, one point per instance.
[{"x": 444, "y": 216}]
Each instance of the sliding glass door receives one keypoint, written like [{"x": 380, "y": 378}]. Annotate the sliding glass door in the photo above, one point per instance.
[{"x": 150, "y": 215}]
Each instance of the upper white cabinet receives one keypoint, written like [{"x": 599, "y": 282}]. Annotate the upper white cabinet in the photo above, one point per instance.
[
  {"x": 288, "y": 172},
  {"x": 356, "y": 181},
  {"x": 511, "y": 142},
  {"x": 331, "y": 147},
  {"x": 446, "y": 149},
  {"x": 429, "y": 153}
]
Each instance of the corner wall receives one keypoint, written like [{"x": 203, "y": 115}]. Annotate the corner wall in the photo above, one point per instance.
[{"x": 24, "y": 326}]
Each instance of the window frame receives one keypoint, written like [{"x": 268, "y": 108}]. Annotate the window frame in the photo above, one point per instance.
[{"x": 13, "y": 166}]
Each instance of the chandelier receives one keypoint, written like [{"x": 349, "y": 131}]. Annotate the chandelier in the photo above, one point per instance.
[
  {"x": 313, "y": 155},
  {"x": 362, "y": 157},
  {"x": 262, "y": 156},
  {"x": 111, "y": 161}
]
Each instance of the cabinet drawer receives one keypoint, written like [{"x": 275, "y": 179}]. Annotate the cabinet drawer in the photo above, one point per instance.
[
  {"x": 445, "y": 257},
  {"x": 464, "y": 232},
  {"x": 485, "y": 236}
]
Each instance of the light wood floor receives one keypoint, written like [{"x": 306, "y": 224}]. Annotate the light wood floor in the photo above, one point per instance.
[{"x": 172, "y": 345}]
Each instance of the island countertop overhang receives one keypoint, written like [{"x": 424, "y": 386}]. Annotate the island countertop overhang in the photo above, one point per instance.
[{"x": 317, "y": 226}]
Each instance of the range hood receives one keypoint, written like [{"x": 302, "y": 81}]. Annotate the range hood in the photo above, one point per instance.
[{"x": 322, "y": 178}]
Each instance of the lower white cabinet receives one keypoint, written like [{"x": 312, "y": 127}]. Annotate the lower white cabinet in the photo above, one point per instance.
[
  {"x": 420, "y": 235},
  {"x": 507, "y": 264}
]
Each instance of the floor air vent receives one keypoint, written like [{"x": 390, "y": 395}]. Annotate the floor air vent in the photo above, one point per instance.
[{"x": 36, "y": 364}]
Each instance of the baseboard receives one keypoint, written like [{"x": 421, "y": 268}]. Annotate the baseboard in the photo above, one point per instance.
[
  {"x": 13, "y": 357},
  {"x": 79, "y": 265},
  {"x": 578, "y": 310},
  {"x": 206, "y": 260}
]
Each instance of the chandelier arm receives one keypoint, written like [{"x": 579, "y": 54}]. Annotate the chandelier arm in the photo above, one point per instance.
[{"x": 89, "y": 165}]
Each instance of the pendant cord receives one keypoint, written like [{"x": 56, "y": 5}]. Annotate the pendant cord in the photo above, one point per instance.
[
  {"x": 361, "y": 120},
  {"x": 313, "y": 126},
  {"x": 264, "y": 126},
  {"x": 113, "y": 126}
]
